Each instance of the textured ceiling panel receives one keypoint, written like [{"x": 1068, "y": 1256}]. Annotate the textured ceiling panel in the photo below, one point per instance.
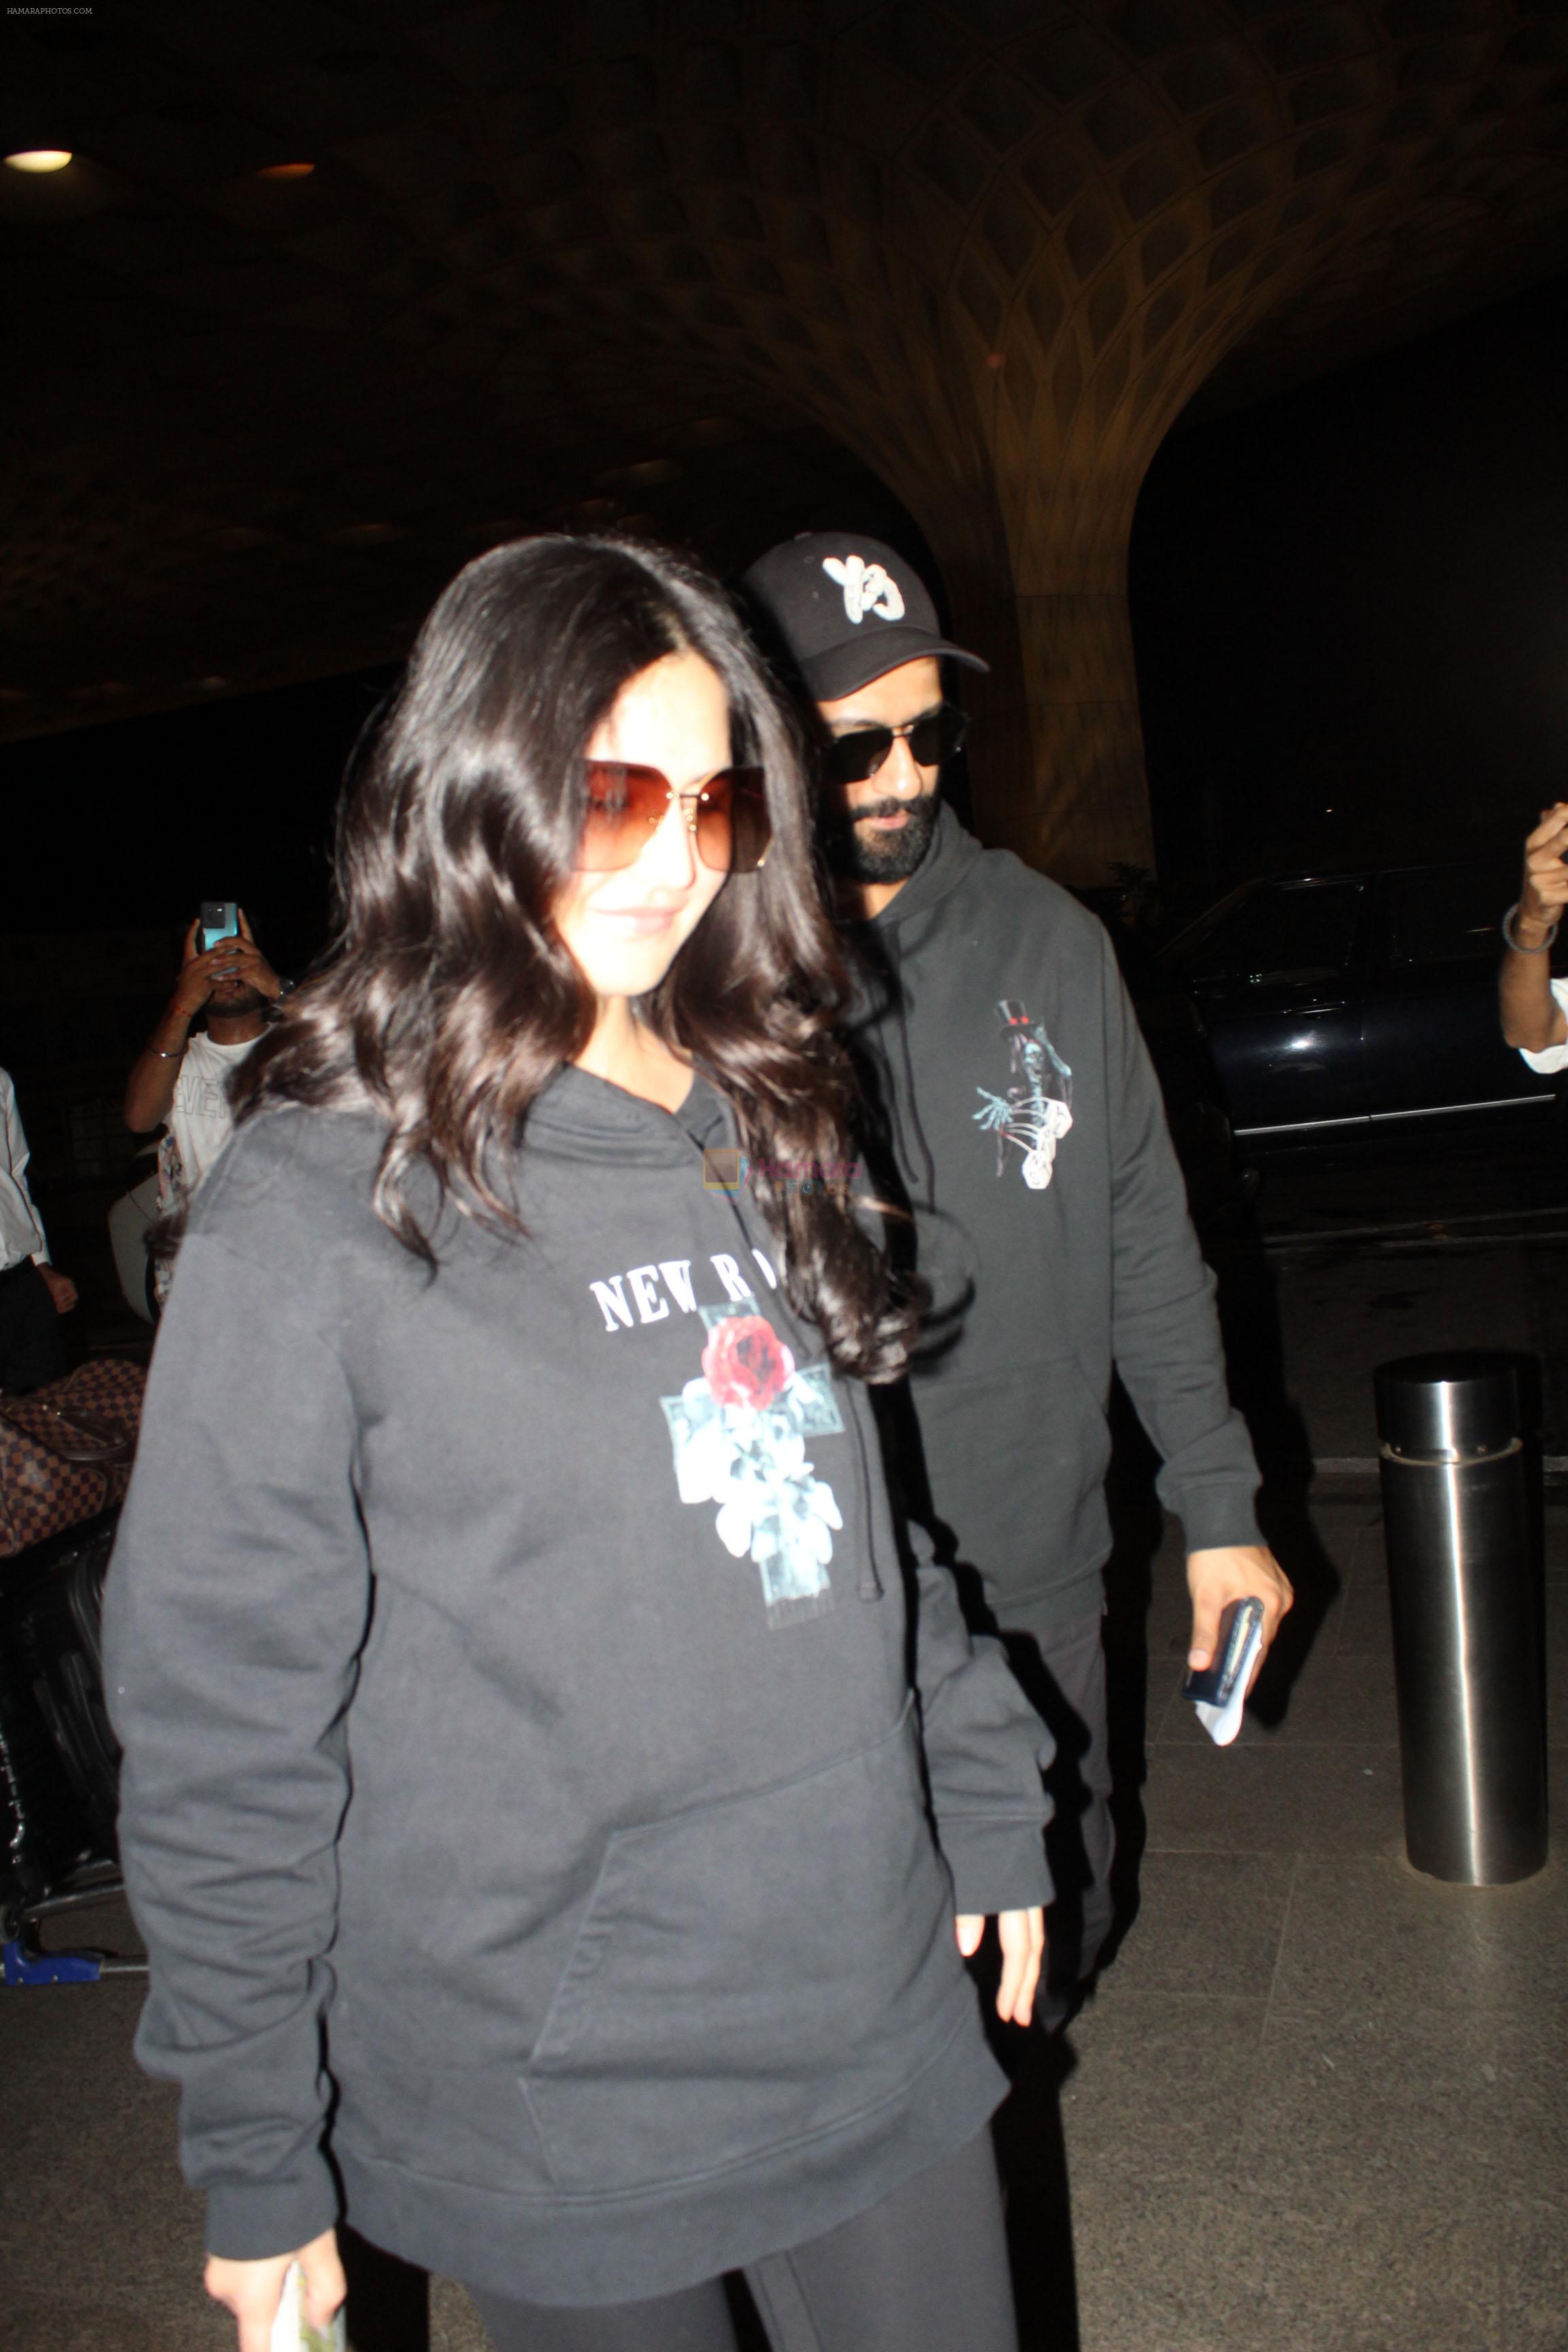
[{"x": 688, "y": 261}]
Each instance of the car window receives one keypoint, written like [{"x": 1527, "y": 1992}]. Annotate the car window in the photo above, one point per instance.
[
  {"x": 1283, "y": 934},
  {"x": 1447, "y": 914}
]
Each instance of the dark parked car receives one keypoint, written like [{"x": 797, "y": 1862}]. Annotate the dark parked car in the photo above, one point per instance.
[
  {"x": 1358, "y": 1002},
  {"x": 1173, "y": 1031}
]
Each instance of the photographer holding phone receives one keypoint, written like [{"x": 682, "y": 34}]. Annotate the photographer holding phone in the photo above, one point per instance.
[
  {"x": 1530, "y": 1001},
  {"x": 180, "y": 1079}
]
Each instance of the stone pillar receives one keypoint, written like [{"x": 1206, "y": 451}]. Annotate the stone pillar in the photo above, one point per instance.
[
  {"x": 1037, "y": 585},
  {"x": 1062, "y": 780}
]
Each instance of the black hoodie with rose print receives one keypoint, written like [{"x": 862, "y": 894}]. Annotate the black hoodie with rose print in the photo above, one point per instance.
[{"x": 525, "y": 1800}]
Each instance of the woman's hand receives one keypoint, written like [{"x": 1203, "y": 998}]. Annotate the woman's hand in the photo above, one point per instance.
[
  {"x": 252, "y": 2291},
  {"x": 1022, "y": 1936}
]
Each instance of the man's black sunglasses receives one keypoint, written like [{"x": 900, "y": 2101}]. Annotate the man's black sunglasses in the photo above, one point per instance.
[{"x": 850, "y": 759}]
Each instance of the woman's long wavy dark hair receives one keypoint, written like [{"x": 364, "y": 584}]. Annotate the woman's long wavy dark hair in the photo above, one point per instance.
[{"x": 448, "y": 999}]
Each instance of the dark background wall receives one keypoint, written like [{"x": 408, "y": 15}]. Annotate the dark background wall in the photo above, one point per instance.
[
  {"x": 1351, "y": 611},
  {"x": 1350, "y": 608},
  {"x": 134, "y": 824}
]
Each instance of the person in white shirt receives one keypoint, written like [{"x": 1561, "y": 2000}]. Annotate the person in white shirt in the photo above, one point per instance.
[
  {"x": 1534, "y": 1006},
  {"x": 33, "y": 1294},
  {"x": 180, "y": 1081}
]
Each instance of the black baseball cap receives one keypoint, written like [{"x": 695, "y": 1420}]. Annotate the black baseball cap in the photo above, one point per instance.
[{"x": 847, "y": 609}]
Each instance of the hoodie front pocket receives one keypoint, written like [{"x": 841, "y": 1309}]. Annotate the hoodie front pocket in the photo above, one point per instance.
[{"x": 746, "y": 1975}]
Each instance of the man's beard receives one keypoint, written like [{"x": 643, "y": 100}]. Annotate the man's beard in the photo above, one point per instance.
[
  {"x": 881, "y": 857},
  {"x": 236, "y": 1007}
]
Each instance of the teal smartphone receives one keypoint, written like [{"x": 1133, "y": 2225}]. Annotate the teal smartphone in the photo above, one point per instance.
[{"x": 218, "y": 919}]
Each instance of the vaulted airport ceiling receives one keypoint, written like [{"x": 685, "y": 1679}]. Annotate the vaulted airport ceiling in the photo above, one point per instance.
[{"x": 706, "y": 267}]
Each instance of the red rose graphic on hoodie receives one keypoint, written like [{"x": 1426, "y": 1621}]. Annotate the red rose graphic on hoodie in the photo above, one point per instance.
[
  {"x": 746, "y": 1362},
  {"x": 739, "y": 1431}
]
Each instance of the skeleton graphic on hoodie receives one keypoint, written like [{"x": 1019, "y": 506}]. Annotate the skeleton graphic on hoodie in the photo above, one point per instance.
[{"x": 1036, "y": 1111}]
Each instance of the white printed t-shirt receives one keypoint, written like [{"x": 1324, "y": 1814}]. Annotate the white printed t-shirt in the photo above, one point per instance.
[
  {"x": 21, "y": 1229},
  {"x": 1551, "y": 1059},
  {"x": 200, "y": 1119}
]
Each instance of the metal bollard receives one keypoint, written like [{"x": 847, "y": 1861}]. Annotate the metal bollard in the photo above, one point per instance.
[{"x": 1467, "y": 1652}]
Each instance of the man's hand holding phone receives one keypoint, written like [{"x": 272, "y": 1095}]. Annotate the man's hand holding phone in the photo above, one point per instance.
[
  {"x": 201, "y": 969},
  {"x": 249, "y": 965},
  {"x": 234, "y": 957},
  {"x": 1219, "y": 1691},
  {"x": 1231, "y": 1573}
]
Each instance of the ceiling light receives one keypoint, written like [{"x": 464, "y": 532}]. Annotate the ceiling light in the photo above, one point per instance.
[
  {"x": 40, "y": 158},
  {"x": 285, "y": 171}
]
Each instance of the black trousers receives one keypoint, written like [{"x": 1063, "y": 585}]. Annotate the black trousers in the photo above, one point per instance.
[
  {"x": 31, "y": 1348},
  {"x": 925, "y": 2270}
]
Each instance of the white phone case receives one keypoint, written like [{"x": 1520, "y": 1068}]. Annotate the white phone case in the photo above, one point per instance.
[{"x": 1223, "y": 1723}]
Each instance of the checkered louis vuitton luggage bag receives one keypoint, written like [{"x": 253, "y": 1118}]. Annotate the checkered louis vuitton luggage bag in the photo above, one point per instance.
[{"x": 66, "y": 1451}]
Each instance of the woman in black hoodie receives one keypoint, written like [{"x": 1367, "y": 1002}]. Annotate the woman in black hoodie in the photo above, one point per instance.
[{"x": 547, "y": 1819}]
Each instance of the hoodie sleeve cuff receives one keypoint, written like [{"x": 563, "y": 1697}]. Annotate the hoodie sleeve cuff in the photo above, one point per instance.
[
  {"x": 251, "y": 2221},
  {"x": 1219, "y": 1515},
  {"x": 997, "y": 1864}
]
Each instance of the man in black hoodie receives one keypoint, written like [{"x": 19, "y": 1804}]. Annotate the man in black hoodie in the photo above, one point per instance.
[{"x": 1020, "y": 1120}]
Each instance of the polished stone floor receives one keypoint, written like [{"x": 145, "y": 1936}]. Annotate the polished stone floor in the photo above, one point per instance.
[{"x": 1321, "y": 2103}]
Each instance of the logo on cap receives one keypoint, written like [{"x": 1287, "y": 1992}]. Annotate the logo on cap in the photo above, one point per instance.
[{"x": 867, "y": 588}]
